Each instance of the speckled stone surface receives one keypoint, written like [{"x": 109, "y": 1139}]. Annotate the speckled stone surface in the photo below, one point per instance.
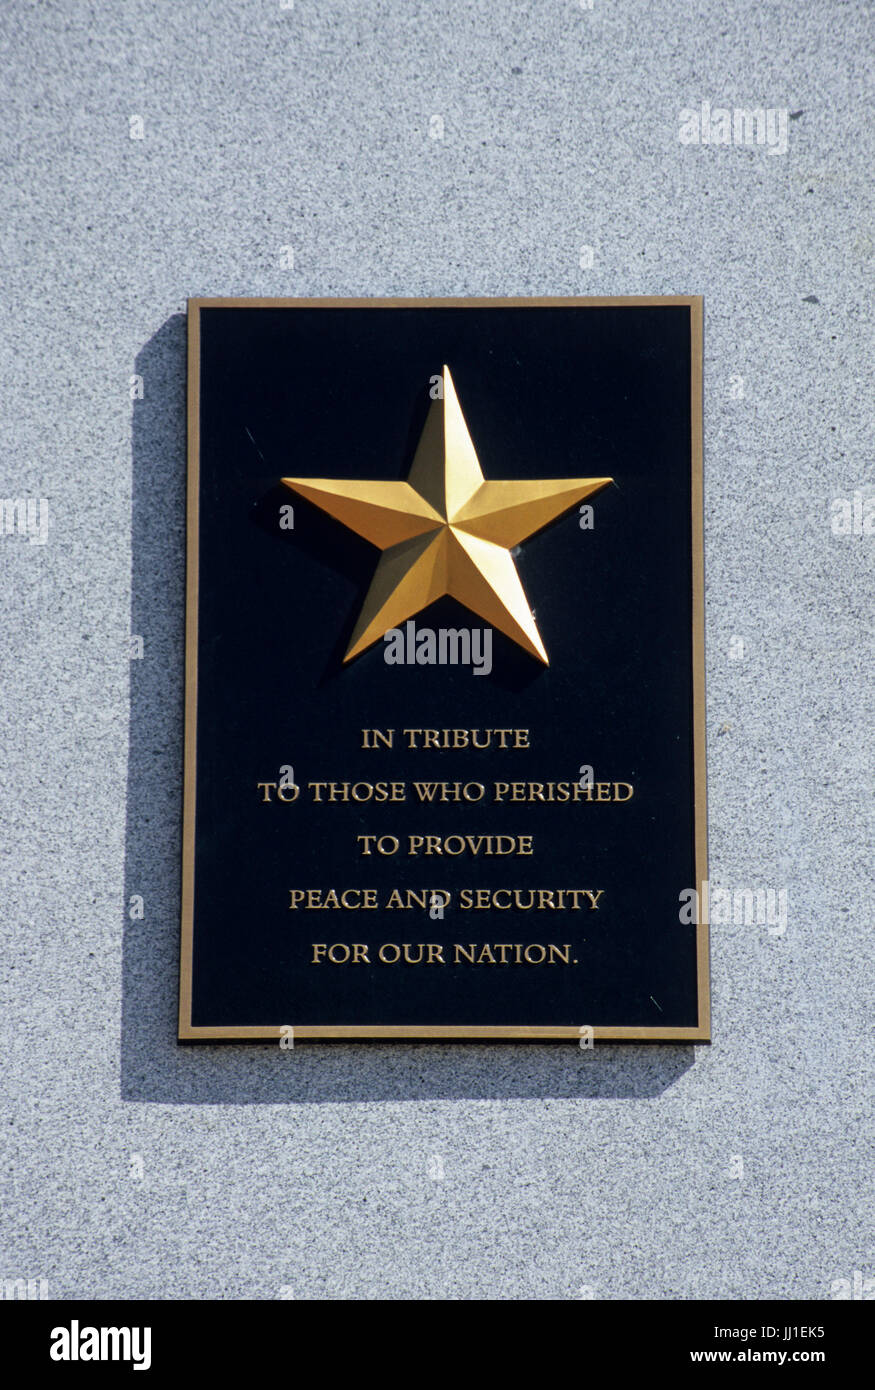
[{"x": 132, "y": 1168}]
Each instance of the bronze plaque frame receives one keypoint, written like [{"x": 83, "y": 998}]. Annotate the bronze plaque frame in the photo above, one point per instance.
[{"x": 272, "y": 1032}]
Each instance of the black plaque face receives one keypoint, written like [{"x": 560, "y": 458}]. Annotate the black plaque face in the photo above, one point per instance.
[{"x": 445, "y": 836}]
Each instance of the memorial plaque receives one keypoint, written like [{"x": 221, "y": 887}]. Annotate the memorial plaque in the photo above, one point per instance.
[{"x": 444, "y": 735}]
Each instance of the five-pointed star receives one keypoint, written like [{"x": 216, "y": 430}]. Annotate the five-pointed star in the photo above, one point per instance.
[{"x": 446, "y": 530}]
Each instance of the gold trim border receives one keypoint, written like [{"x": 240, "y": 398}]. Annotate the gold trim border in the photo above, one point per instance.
[{"x": 457, "y": 1032}]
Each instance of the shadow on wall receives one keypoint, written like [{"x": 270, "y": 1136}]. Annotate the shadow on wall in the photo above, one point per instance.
[{"x": 153, "y": 1066}]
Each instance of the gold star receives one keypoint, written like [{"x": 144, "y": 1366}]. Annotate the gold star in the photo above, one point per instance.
[{"x": 446, "y": 530}]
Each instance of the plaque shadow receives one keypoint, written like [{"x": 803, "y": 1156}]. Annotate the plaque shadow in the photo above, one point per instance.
[{"x": 154, "y": 1067}]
